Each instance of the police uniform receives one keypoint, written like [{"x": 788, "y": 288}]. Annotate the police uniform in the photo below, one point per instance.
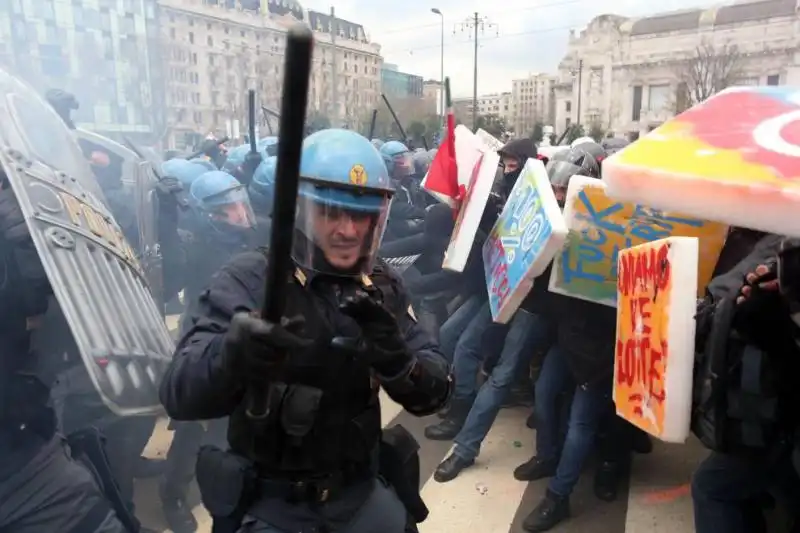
[
  {"x": 314, "y": 458},
  {"x": 41, "y": 487}
]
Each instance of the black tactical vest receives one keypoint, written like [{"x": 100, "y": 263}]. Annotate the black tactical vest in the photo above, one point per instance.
[{"x": 325, "y": 418}]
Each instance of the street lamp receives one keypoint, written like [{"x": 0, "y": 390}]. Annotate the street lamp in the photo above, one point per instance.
[{"x": 436, "y": 11}]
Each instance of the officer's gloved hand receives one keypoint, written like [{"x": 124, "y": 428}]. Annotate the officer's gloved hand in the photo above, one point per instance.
[
  {"x": 249, "y": 166},
  {"x": 254, "y": 348},
  {"x": 169, "y": 191},
  {"x": 386, "y": 349}
]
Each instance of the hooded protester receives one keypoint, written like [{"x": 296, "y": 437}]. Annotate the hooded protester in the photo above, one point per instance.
[{"x": 513, "y": 157}]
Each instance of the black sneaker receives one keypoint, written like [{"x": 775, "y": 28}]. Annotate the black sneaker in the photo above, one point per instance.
[
  {"x": 535, "y": 468},
  {"x": 550, "y": 512}
]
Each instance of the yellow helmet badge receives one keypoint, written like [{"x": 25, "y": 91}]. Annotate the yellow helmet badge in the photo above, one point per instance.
[{"x": 358, "y": 176}]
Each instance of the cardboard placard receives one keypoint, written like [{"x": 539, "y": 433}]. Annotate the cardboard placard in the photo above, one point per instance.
[
  {"x": 654, "y": 356},
  {"x": 523, "y": 241},
  {"x": 600, "y": 227},
  {"x": 734, "y": 158},
  {"x": 473, "y": 157}
]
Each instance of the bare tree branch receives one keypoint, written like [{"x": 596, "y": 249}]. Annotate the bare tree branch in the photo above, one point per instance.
[{"x": 706, "y": 72}]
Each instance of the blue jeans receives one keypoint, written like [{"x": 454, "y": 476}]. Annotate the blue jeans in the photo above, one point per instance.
[
  {"x": 525, "y": 333},
  {"x": 452, "y": 330},
  {"x": 589, "y": 405}
]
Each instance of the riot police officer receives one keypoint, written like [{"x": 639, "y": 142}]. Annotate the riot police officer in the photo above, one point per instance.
[
  {"x": 221, "y": 226},
  {"x": 312, "y": 462}
]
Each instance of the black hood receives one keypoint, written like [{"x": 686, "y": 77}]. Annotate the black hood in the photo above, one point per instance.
[{"x": 521, "y": 150}]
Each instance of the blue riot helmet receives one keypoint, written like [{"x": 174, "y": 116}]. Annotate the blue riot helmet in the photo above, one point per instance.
[
  {"x": 377, "y": 143},
  {"x": 221, "y": 203},
  {"x": 205, "y": 162},
  {"x": 398, "y": 159},
  {"x": 236, "y": 157},
  {"x": 343, "y": 203},
  {"x": 262, "y": 187},
  {"x": 268, "y": 146},
  {"x": 185, "y": 171}
]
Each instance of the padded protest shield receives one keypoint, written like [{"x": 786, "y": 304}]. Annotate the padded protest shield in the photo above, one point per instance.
[{"x": 95, "y": 275}]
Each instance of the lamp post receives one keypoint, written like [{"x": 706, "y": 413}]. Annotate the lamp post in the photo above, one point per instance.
[{"x": 436, "y": 11}]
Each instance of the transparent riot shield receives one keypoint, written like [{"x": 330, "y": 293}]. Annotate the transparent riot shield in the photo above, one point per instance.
[
  {"x": 122, "y": 162},
  {"x": 146, "y": 202},
  {"x": 95, "y": 276},
  {"x": 148, "y": 173}
]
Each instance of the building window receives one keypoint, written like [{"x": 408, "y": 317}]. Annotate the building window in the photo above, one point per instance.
[
  {"x": 568, "y": 107},
  {"x": 658, "y": 97},
  {"x": 191, "y": 38},
  {"x": 210, "y": 41},
  {"x": 172, "y": 33},
  {"x": 636, "y": 115},
  {"x": 774, "y": 79}
]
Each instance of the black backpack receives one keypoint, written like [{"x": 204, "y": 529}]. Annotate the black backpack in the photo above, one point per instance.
[{"x": 736, "y": 405}]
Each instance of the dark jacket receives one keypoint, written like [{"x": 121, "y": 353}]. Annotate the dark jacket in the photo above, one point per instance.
[{"x": 196, "y": 385}]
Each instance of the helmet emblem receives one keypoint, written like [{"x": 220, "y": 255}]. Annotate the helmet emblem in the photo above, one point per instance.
[{"x": 358, "y": 176}]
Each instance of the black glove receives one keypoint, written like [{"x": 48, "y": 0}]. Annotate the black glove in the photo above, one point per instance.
[
  {"x": 385, "y": 348},
  {"x": 254, "y": 349},
  {"x": 249, "y": 166},
  {"x": 169, "y": 191}
]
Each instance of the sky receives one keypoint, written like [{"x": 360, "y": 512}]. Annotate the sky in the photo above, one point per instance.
[{"x": 519, "y": 37}]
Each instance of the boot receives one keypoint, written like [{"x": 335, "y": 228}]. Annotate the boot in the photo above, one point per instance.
[
  {"x": 550, "y": 512},
  {"x": 450, "y": 468},
  {"x": 176, "y": 511},
  {"x": 451, "y": 424},
  {"x": 535, "y": 468}
]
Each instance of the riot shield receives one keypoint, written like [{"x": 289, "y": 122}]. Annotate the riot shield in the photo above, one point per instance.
[
  {"x": 146, "y": 203},
  {"x": 95, "y": 276},
  {"x": 122, "y": 161}
]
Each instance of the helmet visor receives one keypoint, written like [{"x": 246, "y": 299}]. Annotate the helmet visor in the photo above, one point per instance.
[
  {"x": 561, "y": 171},
  {"x": 230, "y": 209},
  {"x": 339, "y": 229},
  {"x": 402, "y": 165}
]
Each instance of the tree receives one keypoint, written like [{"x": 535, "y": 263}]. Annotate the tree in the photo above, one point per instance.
[
  {"x": 416, "y": 130},
  {"x": 706, "y": 72},
  {"x": 596, "y": 131},
  {"x": 492, "y": 124},
  {"x": 317, "y": 121},
  {"x": 576, "y": 131},
  {"x": 538, "y": 133}
]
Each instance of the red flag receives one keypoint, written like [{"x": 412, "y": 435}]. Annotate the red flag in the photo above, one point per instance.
[{"x": 443, "y": 173}]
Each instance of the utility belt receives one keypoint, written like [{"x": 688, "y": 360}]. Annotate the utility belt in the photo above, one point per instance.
[{"x": 230, "y": 484}]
